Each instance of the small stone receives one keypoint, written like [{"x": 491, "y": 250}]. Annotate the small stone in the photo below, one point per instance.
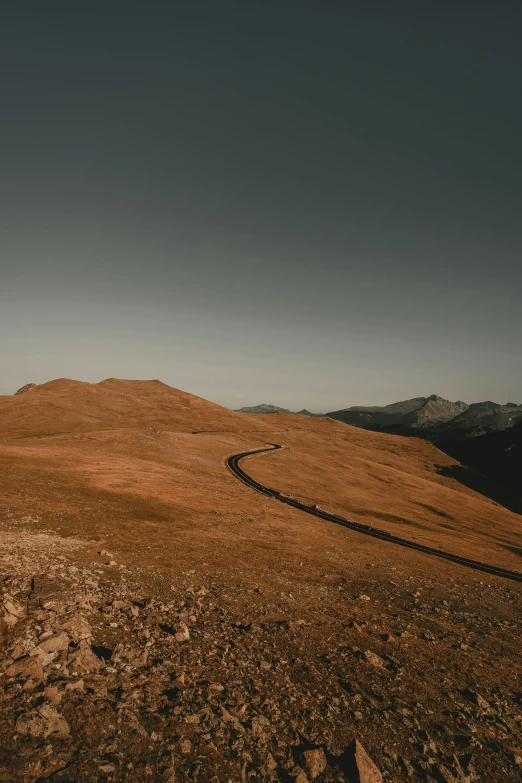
[
  {"x": 315, "y": 762},
  {"x": 270, "y": 762},
  {"x": 476, "y": 698},
  {"x": 57, "y": 643},
  {"x": 79, "y": 685},
  {"x": 373, "y": 658},
  {"x": 183, "y": 634},
  {"x": 359, "y": 766},
  {"x": 179, "y": 682},
  {"x": 186, "y": 746},
  {"x": 29, "y": 666},
  {"x": 84, "y": 659},
  {"x": 52, "y": 694},
  {"x": 14, "y": 608}
]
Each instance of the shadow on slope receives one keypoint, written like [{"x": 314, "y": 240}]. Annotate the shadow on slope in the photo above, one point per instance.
[{"x": 495, "y": 490}]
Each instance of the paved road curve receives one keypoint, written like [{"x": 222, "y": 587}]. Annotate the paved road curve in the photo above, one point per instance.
[{"x": 233, "y": 464}]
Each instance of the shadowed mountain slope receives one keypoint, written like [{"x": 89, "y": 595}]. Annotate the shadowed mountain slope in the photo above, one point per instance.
[{"x": 496, "y": 454}]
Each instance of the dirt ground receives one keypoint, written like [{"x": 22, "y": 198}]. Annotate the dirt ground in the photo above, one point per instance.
[{"x": 162, "y": 621}]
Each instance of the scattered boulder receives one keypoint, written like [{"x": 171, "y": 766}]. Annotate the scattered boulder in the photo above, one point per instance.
[
  {"x": 43, "y": 722},
  {"x": 208, "y": 711},
  {"x": 79, "y": 685},
  {"x": 358, "y": 766},
  {"x": 77, "y": 627},
  {"x": 28, "y": 666},
  {"x": 183, "y": 634},
  {"x": 52, "y": 694},
  {"x": 13, "y": 611},
  {"x": 83, "y": 659},
  {"x": 14, "y": 607},
  {"x": 373, "y": 658},
  {"x": 314, "y": 762},
  {"x": 476, "y": 698},
  {"x": 56, "y": 643}
]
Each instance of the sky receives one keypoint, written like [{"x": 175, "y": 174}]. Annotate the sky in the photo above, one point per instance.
[{"x": 307, "y": 204}]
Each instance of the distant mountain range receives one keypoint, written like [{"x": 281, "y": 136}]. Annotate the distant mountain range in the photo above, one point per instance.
[
  {"x": 436, "y": 418},
  {"x": 439, "y": 418},
  {"x": 417, "y": 412},
  {"x": 264, "y": 408}
]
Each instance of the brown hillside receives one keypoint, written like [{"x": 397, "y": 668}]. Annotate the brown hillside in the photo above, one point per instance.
[
  {"x": 403, "y": 485},
  {"x": 65, "y": 406},
  {"x": 199, "y": 630}
]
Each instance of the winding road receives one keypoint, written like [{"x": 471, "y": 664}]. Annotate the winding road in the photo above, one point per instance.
[{"x": 233, "y": 464}]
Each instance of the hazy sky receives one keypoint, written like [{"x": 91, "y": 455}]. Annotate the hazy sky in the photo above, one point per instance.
[{"x": 309, "y": 204}]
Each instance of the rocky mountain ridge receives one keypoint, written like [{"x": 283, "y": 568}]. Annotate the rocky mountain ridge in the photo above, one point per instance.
[
  {"x": 263, "y": 408},
  {"x": 434, "y": 413},
  {"x": 436, "y": 417}
]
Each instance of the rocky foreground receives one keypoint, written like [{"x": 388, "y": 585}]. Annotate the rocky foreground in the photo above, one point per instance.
[{"x": 117, "y": 675}]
